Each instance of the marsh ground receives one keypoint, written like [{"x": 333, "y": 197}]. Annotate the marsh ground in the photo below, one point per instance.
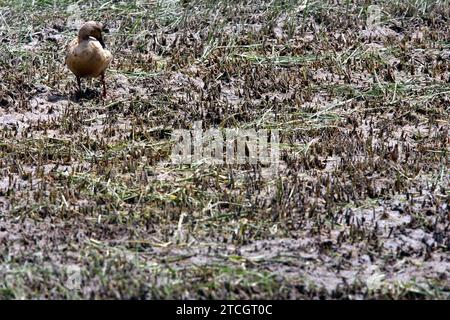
[{"x": 359, "y": 208}]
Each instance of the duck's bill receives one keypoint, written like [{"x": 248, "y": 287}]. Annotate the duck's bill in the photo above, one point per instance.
[{"x": 101, "y": 42}]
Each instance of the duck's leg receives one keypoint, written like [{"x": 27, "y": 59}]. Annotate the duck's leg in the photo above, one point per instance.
[
  {"x": 79, "y": 84},
  {"x": 102, "y": 79}
]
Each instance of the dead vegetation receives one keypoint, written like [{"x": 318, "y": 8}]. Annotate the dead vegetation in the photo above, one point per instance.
[{"x": 359, "y": 208}]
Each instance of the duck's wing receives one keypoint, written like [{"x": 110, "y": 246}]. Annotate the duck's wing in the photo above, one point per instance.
[
  {"x": 107, "y": 58},
  {"x": 70, "y": 48}
]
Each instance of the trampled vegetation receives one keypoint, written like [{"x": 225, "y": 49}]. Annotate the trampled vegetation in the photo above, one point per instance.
[{"x": 359, "y": 208}]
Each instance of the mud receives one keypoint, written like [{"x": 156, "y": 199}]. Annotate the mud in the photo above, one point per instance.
[{"x": 359, "y": 208}]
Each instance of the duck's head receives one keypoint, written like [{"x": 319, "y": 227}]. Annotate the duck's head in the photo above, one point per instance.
[{"x": 91, "y": 29}]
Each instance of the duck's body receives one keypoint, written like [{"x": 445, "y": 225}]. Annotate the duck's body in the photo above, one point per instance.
[
  {"x": 87, "y": 58},
  {"x": 86, "y": 55}
]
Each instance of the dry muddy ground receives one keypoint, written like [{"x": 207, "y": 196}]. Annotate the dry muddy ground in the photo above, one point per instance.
[{"x": 92, "y": 207}]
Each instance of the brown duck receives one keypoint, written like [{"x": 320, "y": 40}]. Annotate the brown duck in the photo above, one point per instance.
[{"x": 86, "y": 55}]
